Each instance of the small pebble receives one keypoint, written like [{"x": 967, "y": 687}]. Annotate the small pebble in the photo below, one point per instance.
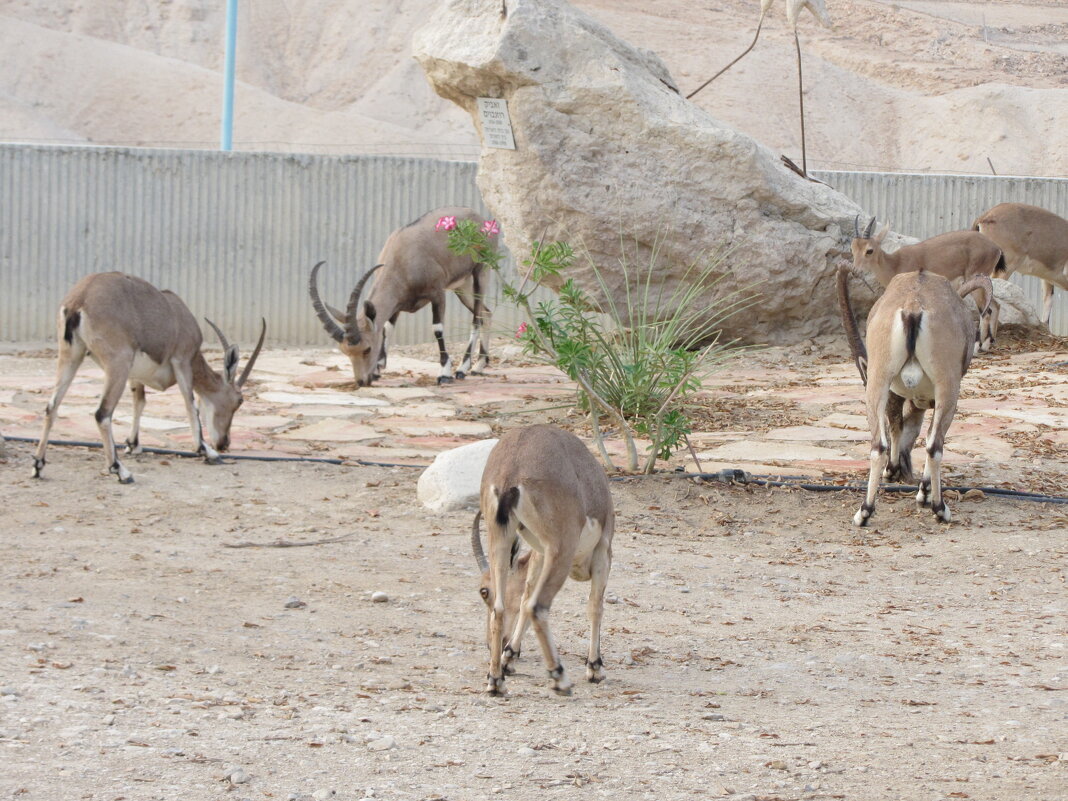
[
  {"x": 238, "y": 776},
  {"x": 379, "y": 597},
  {"x": 295, "y": 603},
  {"x": 383, "y": 743}
]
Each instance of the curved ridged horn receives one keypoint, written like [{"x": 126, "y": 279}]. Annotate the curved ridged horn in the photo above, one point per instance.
[
  {"x": 476, "y": 544},
  {"x": 352, "y": 332},
  {"x": 332, "y": 328},
  {"x": 869, "y": 229},
  {"x": 255, "y": 354},
  {"x": 222, "y": 337},
  {"x": 856, "y": 227}
]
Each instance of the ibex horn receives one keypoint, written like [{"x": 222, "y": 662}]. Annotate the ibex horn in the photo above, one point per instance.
[
  {"x": 856, "y": 227},
  {"x": 869, "y": 229},
  {"x": 352, "y": 331},
  {"x": 476, "y": 543},
  {"x": 332, "y": 328},
  {"x": 222, "y": 338},
  {"x": 255, "y": 354}
]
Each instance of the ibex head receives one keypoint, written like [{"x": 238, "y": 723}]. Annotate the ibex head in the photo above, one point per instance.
[
  {"x": 355, "y": 331},
  {"x": 226, "y": 398},
  {"x": 514, "y": 584},
  {"x": 867, "y": 249}
]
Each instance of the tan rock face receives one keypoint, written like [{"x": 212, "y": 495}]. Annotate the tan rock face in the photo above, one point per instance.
[{"x": 607, "y": 152}]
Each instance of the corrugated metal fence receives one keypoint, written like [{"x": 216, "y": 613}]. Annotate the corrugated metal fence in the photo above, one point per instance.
[{"x": 235, "y": 234}]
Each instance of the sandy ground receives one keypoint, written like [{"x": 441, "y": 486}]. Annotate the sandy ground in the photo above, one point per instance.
[{"x": 758, "y": 646}]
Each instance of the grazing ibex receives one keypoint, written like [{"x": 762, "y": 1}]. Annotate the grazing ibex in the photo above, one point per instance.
[
  {"x": 541, "y": 484},
  {"x": 920, "y": 336},
  {"x": 1035, "y": 242},
  {"x": 414, "y": 268},
  {"x": 958, "y": 254},
  {"x": 146, "y": 337}
]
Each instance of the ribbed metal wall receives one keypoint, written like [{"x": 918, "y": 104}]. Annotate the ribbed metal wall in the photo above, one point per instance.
[
  {"x": 923, "y": 206},
  {"x": 236, "y": 234}
]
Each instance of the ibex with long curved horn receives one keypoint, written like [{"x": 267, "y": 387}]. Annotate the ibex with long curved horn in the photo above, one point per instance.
[
  {"x": 542, "y": 484},
  {"x": 146, "y": 337},
  {"x": 920, "y": 336},
  {"x": 956, "y": 255},
  {"x": 415, "y": 268}
]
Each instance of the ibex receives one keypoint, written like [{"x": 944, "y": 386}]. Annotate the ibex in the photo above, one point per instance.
[
  {"x": 541, "y": 484},
  {"x": 958, "y": 254},
  {"x": 1035, "y": 242},
  {"x": 415, "y": 268},
  {"x": 146, "y": 337},
  {"x": 920, "y": 336}
]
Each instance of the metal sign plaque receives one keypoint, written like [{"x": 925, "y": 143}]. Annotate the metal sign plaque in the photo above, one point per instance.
[{"x": 496, "y": 125}]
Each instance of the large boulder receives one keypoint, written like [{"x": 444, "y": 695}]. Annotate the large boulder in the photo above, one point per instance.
[
  {"x": 1016, "y": 308},
  {"x": 607, "y": 152}
]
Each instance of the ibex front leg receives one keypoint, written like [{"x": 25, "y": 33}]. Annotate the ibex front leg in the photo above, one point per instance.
[
  {"x": 133, "y": 442},
  {"x": 184, "y": 378},
  {"x": 437, "y": 310}
]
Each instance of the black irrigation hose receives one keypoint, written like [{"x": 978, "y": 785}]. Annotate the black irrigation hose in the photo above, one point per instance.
[
  {"x": 728, "y": 476},
  {"x": 235, "y": 456},
  {"x": 735, "y": 476}
]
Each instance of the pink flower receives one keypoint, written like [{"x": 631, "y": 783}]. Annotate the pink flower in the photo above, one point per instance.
[
  {"x": 490, "y": 227},
  {"x": 521, "y": 331},
  {"x": 445, "y": 224}
]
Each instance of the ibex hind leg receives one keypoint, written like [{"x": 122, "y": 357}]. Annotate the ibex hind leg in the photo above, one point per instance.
[
  {"x": 600, "y": 564},
  {"x": 553, "y": 574},
  {"x": 71, "y": 356}
]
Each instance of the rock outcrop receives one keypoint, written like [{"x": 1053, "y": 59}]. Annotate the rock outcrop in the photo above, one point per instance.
[
  {"x": 1016, "y": 308},
  {"x": 610, "y": 157}
]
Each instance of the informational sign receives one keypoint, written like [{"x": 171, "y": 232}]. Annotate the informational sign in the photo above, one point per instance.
[{"x": 496, "y": 125}]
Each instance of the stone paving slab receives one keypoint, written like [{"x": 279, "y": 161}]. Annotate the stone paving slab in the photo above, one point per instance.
[{"x": 1011, "y": 423}]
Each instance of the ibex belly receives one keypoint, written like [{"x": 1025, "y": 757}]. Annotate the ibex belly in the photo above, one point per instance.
[{"x": 147, "y": 371}]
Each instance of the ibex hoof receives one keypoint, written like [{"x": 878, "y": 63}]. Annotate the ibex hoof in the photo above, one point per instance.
[
  {"x": 444, "y": 379},
  {"x": 862, "y": 516},
  {"x": 133, "y": 447},
  {"x": 495, "y": 686},
  {"x": 460, "y": 375},
  {"x": 943, "y": 514},
  {"x": 127, "y": 479},
  {"x": 595, "y": 671},
  {"x": 216, "y": 459},
  {"x": 562, "y": 689}
]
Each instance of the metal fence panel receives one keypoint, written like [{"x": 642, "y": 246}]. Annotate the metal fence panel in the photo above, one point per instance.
[{"x": 236, "y": 234}]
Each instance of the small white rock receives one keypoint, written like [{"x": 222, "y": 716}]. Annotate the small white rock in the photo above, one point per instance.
[
  {"x": 379, "y": 597},
  {"x": 383, "y": 744}
]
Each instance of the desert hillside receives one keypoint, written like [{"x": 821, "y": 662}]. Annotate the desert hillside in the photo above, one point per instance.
[{"x": 906, "y": 85}]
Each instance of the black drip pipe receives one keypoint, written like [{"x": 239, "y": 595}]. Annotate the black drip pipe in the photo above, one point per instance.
[{"x": 727, "y": 476}]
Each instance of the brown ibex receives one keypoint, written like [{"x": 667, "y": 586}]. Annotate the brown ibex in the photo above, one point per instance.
[
  {"x": 920, "y": 343},
  {"x": 956, "y": 255},
  {"x": 1035, "y": 242},
  {"x": 541, "y": 484},
  {"x": 414, "y": 268},
  {"x": 146, "y": 337}
]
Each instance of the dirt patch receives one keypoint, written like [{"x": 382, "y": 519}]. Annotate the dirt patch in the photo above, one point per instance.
[{"x": 757, "y": 645}]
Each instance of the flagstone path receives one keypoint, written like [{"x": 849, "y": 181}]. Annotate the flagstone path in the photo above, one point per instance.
[{"x": 778, "y": 413}]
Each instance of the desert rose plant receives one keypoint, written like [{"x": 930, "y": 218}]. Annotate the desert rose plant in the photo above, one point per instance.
[{"x": 638, "y": 363}]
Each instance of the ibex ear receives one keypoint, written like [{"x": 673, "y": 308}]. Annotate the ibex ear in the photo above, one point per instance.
[
  {"x": 230, "y": 363},
  {"x": 369, "y": 311},
  {"x": 879, "y": 237}
]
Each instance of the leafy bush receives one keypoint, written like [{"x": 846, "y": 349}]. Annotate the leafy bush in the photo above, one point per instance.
[{"x": 637, "y": 363}]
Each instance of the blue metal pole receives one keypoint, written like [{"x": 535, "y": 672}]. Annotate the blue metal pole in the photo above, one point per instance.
[{"x": 227, "y": 139}]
